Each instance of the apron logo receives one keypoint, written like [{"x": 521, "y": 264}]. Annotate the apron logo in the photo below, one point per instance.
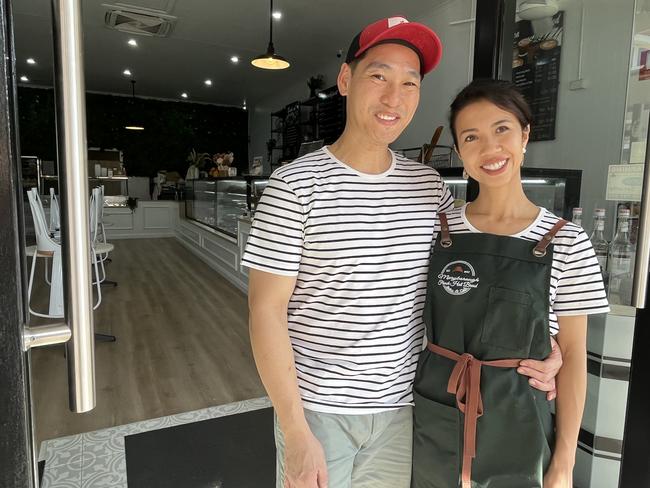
[{"x": 458, "y": 278}]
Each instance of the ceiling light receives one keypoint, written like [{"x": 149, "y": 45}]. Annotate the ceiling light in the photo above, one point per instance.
[
  {"x": 24, "y": 78},
  {"x": 270, "y": 60},
  {"x": 31, "y": 61},
  {"x": 244, "y": 106},
  {"x": 132, "y": 42},
  {"x": 322, "y": 95},
  {"x": 208, "y": 82},
  {"x": 277, "y": 15},
  {"x": 184, "y": 95},
  {"x": 234, "y": 59},
  {"x": 133, "y": 124},
  {"x": 126, "y": 72}
]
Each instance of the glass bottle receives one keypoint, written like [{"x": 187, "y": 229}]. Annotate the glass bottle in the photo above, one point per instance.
[
  {"x": 599, "y": 243},
  {"x": 621, "y": 262},
  {"x": 577, "y": 216}
]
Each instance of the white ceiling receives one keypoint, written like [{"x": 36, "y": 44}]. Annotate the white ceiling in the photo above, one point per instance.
[{"x": 205, "y": 35}]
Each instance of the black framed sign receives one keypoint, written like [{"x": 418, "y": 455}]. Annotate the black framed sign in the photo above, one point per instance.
[{"x": 536, "y": 70}]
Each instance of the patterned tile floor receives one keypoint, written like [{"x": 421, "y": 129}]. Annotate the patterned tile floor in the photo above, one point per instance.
[{"x": 96, "y": 459}]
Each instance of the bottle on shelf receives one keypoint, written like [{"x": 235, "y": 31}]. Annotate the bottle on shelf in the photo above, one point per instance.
[
  {"x": 621, "y": 261},
  {"x": 600, "y": 244},
  {"x": 577, "y": 216}
]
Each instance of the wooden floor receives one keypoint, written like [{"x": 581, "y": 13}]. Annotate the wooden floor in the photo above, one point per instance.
[{"x": 182, "y": 344}]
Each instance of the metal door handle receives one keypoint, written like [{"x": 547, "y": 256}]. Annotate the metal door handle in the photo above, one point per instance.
[
  {"x": 640, "y": 283},
  {"x": 73, "y": 188}
]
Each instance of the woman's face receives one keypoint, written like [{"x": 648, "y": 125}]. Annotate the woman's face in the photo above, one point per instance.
[{"x": 490, "y": 143}]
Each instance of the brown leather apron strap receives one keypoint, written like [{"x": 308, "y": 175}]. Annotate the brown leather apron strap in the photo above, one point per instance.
[
  {"x": 465, "y": 384},
  {"x": 540, "y": 249},
  {"x": 445, "y": 238}
]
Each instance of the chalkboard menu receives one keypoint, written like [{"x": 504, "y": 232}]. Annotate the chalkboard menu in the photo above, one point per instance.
[{"x": 536, "y": 70}]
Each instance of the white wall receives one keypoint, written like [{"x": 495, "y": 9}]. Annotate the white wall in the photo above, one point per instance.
[
  {"x": 589, "y": 126},
  {"x": 438, "y": 88}
]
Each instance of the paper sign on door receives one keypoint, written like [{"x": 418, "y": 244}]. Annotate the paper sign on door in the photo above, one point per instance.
[{"x": 625, "y": 182}]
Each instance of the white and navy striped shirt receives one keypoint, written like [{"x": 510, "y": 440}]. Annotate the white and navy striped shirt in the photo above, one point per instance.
[
  {"x": 576, "y": 282},
  {"x": 359, "y": 247}
]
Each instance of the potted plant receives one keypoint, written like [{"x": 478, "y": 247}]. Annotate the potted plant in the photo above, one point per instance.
[
  {"x": 197, "y": 162},
  {"x": 315, "y": 83}
]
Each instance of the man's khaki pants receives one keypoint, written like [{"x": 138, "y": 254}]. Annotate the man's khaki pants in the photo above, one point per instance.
[{"x": 362, "y": 451}]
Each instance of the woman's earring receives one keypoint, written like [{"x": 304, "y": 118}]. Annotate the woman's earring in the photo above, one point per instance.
[
  {"x": 465, "y": 175},
  {"x": 524, "y": 150}
]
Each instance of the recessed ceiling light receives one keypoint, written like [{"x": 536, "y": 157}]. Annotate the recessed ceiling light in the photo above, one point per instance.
[
  {"x": 208, "y": 82},
  {"x": 126, "y": 72},
  {"x": 132, "y": 42},
  {"x": 277, "y": 15},
  {"x": 184, "y": 95},
  {"x": 31, "y": 61},
  {"x": 234, "y": 59},
  {"x": 24, "y": 78}
]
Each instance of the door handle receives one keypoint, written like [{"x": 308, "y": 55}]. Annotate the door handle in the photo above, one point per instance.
[
  {"x": 640, "y": 282},
  {"x": 73, "y": 188}
]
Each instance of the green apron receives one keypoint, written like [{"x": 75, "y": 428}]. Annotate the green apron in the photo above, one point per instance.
[{"x": 487, "y": 307}]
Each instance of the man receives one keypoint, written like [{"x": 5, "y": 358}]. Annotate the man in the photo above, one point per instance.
[{"x": 338, "y": 252}]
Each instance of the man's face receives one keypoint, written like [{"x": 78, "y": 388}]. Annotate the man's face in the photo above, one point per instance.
[{"x": 382, "y": 92}]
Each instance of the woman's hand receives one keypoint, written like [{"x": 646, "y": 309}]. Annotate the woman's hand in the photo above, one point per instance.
[{"x": 558, "y": 477}]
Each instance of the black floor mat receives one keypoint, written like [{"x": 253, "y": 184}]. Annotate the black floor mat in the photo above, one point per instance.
[{"x": 236, "y": 451}]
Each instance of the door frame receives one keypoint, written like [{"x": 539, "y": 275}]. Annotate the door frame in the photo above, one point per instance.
[{"x": 17, "y": 460}]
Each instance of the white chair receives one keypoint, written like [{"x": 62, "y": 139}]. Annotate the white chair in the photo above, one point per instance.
[
  {"x": 47, "y": 246},
  {"x": 55, "y": 214},
  {"x": 101, "y": 248}
]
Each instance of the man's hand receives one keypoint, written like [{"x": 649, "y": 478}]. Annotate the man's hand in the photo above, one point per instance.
[
  {"x": 542, "y": 373},
  {"x": 304, "y": 461}
]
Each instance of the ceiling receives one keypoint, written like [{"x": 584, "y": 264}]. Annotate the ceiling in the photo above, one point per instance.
[{"x": 205, "y": 35}]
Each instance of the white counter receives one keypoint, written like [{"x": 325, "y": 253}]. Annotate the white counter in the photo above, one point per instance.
[
  {"x": 157, "y": 218},
  {"x": 220, "y": 251}
]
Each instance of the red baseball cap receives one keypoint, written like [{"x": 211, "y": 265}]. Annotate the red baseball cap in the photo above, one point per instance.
[{"x": 398, "y": 30}]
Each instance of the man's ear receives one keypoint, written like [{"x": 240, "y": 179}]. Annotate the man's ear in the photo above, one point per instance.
[{"x": 343, "y": 79}]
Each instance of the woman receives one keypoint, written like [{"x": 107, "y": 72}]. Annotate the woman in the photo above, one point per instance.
[{"x": 504, "y": 276}]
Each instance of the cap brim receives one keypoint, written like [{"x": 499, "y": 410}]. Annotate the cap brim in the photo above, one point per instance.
[{"x": 417, "y": 35}]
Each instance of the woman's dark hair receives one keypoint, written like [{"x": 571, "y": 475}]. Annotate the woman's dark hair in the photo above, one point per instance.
[{"x": 501, "y": 93}]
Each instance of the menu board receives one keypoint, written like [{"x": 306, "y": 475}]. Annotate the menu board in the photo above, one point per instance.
[{"x": 536, "y": 70}]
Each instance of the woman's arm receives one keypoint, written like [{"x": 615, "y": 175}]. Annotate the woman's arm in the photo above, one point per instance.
[{"x": 571, "y": 391}]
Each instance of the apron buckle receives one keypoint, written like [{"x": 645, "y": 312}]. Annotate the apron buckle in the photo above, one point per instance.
[{"x": 539, "y": 253}]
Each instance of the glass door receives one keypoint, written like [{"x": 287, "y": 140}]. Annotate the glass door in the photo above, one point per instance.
[{"x": 583, "y": 66}]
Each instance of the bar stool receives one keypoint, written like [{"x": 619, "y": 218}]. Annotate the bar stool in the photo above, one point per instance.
[
  {"x": 47, "y": 246},
  {"x": 101, "y": 248}
]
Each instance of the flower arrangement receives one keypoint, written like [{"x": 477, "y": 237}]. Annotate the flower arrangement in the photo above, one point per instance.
[{"x": 221, "y": 164}]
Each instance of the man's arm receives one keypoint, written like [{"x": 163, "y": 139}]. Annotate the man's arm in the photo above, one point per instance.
[
  {"x": 542, "y": 373},
  {"x": 268, "y": 297}
]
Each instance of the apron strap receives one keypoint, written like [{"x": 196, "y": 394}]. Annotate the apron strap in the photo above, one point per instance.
[
  {"x": 540, "y": 249},
  {"x": 465, "y": 384},
  {"x": 445, "y": 239}
]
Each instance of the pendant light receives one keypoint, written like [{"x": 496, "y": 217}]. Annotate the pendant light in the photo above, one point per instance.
[
  {"x": 270, "y": 60},
  {"x": 132, "y": 124}
]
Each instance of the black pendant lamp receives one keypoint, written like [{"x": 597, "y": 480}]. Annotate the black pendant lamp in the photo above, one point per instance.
[
  {"x": 133, "y": 124},
  {"x": 270, "y": 60}
]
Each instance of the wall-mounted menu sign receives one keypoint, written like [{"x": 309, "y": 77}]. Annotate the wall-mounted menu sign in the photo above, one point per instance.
[{"x": 536, "y": 70}]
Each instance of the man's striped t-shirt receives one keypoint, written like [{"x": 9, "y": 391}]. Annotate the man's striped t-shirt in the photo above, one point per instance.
[
  {"x": 359, "y": 246},
  {"x": 576, "y": 286}
]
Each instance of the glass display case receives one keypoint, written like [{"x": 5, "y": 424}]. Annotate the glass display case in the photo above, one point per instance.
[
  {"x": 218, "y": 202},
  {"x": 557, "y": 190}
]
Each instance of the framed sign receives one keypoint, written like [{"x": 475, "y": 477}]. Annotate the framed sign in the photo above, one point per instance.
[{"x": 536, "y": 70}]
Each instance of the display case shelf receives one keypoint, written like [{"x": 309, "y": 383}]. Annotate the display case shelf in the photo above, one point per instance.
[{"x": 219, "y": 202}]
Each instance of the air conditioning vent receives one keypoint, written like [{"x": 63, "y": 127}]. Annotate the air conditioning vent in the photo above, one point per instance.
[{"x": 139, "y": 23}]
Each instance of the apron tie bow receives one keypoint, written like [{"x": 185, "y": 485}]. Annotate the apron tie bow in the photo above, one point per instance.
[{"x": 465, "y": 384}]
